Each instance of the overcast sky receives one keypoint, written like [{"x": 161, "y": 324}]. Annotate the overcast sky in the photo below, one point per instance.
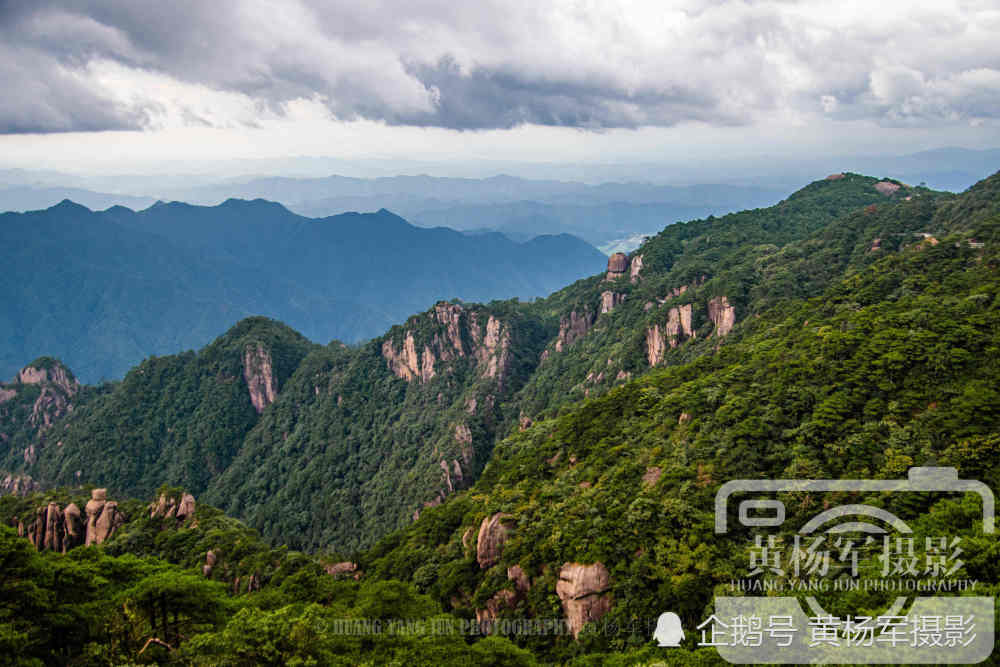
[{"x": 102, "y": 85}]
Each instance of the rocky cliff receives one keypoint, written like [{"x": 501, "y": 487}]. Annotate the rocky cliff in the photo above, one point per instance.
[
  {"x": 258, "y": 373},
  {"x": 455, "y": 332},
  {"x": 583, "y": 591},
  {"x": 56, "y": 528}
]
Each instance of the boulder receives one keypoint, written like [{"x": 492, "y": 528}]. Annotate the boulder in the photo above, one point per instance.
[
  {"x": 617, "y": 266},
  {"x": 103, "y": 517},
  {"x": 583, "y": 590},
  {"x": 75, "y": 530},
  {"x": 343, "y": 569},
  {"x": 635, "y": 266},
  {"x": 492, "y": 537},
  {"x": 186, "y": 507},
  {"x": 55, "y": 528}
]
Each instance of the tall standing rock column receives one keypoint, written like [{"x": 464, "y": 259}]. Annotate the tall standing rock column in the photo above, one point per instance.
[{"x": 103, "y": 517}]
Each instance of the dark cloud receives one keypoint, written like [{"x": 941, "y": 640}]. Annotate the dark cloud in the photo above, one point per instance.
[
  {"x": 78, "y": 65},
  {"x": 506, "y": 98}
]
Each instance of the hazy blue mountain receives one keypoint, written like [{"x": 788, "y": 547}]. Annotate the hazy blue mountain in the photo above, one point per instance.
[
  {"x": 517, "y": 207},
  {"x": 34, "y": 197},
  {"x": 103, "y": 290}
]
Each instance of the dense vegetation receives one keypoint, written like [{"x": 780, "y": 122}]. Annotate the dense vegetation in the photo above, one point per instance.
[
  {"x": 349, "y": 451},
  {"x": 867, "y": 343},
  {"x": 141, "y": 598},
  {"x": 103, "y": 290},
  {"x": 893, "y": 366},
  {"x": 179, "y": 419}
]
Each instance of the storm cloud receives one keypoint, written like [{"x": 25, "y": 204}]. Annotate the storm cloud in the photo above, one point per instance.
[{"x": 128, "y": 64}]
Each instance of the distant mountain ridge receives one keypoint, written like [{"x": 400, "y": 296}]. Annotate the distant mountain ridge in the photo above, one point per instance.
[
  {"x": 103, "y": 290},
  {"x": 347, "y": 443}
]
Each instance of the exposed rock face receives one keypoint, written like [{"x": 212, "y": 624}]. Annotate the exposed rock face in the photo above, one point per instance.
[
  {"x": 609, "y": 300},
  {"x": 652, "y": 476},
  {"x": 453, "y": 476},
  {"x": 171, "y": 508},
  {"x": 186, "y": 507},
  {"x": 505, "y": 598},
  {"x": 583, "y": 590},
  {"x": 722, "y": 314},
  {"x": 492, "y": 536},
  {"x": 450, "y": 315},
  {"x": 6, "y": 394},
  {"x": 258, "y": 372},
  {"x": 343, "y": 569},
  {"x": 655, "y": 347},
  {"x": 75, "y": 529},
  {"x": 18, "y": 485},
  {"x": 634, "y": 267},
  {"x": 678, "y": 324},
  {"x": 103, "y": 517},
  {"x": 617, "y": 266},
  {"x": 834, "y": 177},
  {"x": 54, "y": 529},
  {"x": 573, "y": 328},
  {"x": 494, "y": 353},
  {"x": 404, "y": 363},
  {"x": 491, "y": 349},
  {"x": 58, "y": 387},
  {"x": 49, "y": 406},
  {"x": 520, "y": 579},
  {"x": 502, "y": 599},
  {"x": 210, "y": 560},
  {"x": 56, "y": 375},
  {"x": 886, "y": 187}
]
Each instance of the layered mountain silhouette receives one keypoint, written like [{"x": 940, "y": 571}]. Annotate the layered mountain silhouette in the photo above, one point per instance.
[
  {"x": 334, "y": 446},
  {"x": 552, "y": 459},
  {"x": 103, "y": 290}
]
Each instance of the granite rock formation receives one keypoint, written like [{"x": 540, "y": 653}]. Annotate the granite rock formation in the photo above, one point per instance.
[
  {"x": 258, "y": 372},
  {"x": 583, "y": 590},
  {"x": 492, "y": 537}
]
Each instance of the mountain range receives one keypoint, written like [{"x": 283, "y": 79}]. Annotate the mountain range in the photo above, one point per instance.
[
  {"x": 549, "y": 459},
  {"x": 102, "y": 290}
]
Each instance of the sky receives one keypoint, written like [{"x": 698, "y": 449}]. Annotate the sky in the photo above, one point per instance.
[{"x": 133, "y": 84}]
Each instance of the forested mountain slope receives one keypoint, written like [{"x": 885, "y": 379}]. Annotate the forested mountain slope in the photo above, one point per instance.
[
  {"x": 345, "y": 444},
  {"x": 103, "y": 290},
  {"x": 895, "y": 364}
]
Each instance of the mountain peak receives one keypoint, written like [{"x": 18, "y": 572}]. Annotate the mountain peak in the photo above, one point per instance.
[
  {"x": 258, "y": 203},
  {"x": 68, "y": 205},
  {"x": 49, "y": 370}
]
